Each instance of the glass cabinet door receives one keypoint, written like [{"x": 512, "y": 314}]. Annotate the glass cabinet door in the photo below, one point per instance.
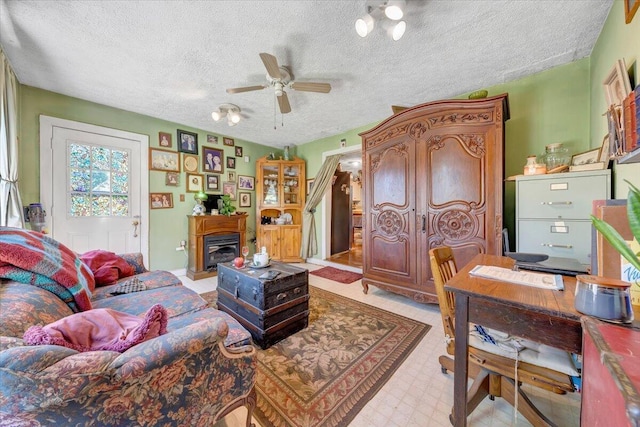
[
  {"x": 291, "y": 184},
  {"x": 270, "y": 184}
]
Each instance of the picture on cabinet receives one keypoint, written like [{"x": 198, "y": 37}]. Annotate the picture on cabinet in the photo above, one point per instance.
[
  {"x": 245, "y": 200},
  {"x": 213, "y": 182},
  {"x": 194, "y": 183}
]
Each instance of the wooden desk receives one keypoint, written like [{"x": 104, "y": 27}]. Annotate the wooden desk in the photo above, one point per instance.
[{"x": 538, "y": 314}]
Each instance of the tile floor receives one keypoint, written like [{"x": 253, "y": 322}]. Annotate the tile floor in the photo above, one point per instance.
[{"x": 418, "y": 394}]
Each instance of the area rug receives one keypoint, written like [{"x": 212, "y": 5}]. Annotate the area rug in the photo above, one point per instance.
[
  {"x": 325, "y": 374},
  {"x": 337, "y": 275}
]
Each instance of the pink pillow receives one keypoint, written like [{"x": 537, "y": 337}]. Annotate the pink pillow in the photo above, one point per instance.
[
  {"x": 106, "y": 266},
  {"x": 100, "y": 329}
]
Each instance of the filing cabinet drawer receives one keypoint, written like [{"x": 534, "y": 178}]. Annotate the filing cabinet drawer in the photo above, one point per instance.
[
  {"x": 561, "y": 197},
  {"x": 568, "y": 239}
]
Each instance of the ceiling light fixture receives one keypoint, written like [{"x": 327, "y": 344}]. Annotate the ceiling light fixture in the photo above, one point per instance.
[
  {"x": 230, "y": 111},
  {"x": 376, "y": 11}
]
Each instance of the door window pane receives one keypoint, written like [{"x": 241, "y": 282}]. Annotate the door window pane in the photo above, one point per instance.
[{"x": 98, "y": 180}]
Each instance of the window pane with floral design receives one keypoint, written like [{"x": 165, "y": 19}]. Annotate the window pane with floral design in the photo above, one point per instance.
[{"x": 98, "y": 180}]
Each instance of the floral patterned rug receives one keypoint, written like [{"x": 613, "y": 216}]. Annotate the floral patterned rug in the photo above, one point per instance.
[
  {"x": 325, "y": 374},
  {"x": 337, "y": 275}
]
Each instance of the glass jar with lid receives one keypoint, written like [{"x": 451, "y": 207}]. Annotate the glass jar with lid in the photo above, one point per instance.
[{"x": 555, "y": 155}]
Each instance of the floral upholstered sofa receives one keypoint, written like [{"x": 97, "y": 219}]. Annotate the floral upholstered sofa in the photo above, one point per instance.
[{"x": 199, "y": 371}]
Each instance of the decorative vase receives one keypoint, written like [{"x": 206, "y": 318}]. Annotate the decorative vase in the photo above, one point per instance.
[{"x": 286, "y": 152}]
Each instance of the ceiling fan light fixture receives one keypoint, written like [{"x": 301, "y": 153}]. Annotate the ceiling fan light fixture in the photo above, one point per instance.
[
  {"x": 394, "y": 9},
  {"x": 234, "y": 117},
  {"x": 397, "y": 31},
  {"x": 217, "y": 115},
  {"x": 365, "y": 25}
]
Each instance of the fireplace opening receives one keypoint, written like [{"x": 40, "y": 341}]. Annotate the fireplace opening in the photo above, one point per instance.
[{"x": 220, "y": 248}]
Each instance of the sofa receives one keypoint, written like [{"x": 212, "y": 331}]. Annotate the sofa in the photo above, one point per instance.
[{"x": 200, "y": 370}]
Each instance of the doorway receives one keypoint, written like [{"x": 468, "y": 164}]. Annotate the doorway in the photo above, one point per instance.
[{"x": 93, "y": 184}]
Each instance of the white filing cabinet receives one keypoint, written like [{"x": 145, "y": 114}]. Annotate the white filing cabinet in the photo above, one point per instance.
[{"x": 553, "y": 212}]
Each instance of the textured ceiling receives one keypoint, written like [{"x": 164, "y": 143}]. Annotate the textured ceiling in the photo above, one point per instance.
[{"x": 174, "y": 59}]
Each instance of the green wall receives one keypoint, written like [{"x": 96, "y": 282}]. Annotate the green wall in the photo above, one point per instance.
[
  {"x": 167, "y": 226},
  {"x": 548, "y": 107}
]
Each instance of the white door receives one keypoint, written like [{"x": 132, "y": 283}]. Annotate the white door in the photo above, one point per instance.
[{"x": 92, "y": 179}]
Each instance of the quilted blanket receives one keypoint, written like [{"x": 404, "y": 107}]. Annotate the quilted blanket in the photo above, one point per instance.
[{"x": 33, "y": 258}]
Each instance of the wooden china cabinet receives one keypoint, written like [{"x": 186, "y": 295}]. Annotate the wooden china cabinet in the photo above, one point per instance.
[
  {"x": 433, "y": 176},
  {"x": 280, "y": 193}
]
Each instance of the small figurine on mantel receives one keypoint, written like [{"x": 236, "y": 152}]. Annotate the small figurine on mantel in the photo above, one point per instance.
[{"x": 199, "y": 208}]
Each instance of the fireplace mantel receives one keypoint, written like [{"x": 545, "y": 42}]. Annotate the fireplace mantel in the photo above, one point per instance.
[{"x": 206, "y": 225}]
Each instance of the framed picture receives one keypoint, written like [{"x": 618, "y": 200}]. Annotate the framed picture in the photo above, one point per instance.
[
  {"x": 164, "y": 160},
  {"x": 617, "y": 85},
  {"x": 187, "y": 142},
  {"x": 231, "y": 176},
  {"x": 161, "y": 200},
  {"x": 245, "y": 200},
  {"x": 605, "y": 150},
  {"x": 238, "y": 151},
  {"x": 630, "y": 9},
  {"x": 228, "y": 141},
  {"x": 230, "y": 189},
  {"x": 195, "y": 183},
  {"x": 212, "y": 139},
  {"x": 172, "y": 179},
  {"x": 213, "y": 182},
  {"x": 212, "y": 160},
  {"x": 591, "y": 156},
  {"x": 190, "y": 163},
  {"x": 310, "y": 185},
  {"x": 164, "y": 139},
  {"x": 231, "y": 162},
  {"x": 246, "y": 182}
]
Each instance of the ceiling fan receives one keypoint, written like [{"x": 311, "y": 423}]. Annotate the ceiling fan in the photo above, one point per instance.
[{"x": 279, "y": 78}]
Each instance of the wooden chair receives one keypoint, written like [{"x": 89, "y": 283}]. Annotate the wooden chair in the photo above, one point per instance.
[{"x": 494, "y": 375}]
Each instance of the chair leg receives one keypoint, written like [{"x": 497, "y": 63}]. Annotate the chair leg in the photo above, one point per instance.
[
  {"x": 525, "y": 405},
  {"x": 478, "y": 391}
]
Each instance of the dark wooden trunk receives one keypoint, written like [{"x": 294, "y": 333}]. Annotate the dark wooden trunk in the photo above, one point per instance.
[{"x": 270, "y": 310}]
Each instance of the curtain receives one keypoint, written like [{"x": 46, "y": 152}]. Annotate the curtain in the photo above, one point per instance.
[
  {"x": 322, "y": 181},
  {"x": 11, "y": 214}
]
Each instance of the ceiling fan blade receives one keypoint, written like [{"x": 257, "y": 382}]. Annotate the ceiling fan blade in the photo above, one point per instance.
[
  {"x": 245, "y": 89},
  {"x": 311, "y": 87},
  {"x": 283, "y": 103},
  {"x": 271, "y": 64}
]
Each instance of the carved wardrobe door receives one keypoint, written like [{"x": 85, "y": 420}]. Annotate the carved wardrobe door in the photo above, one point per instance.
[{"x": 433, "y": 176}]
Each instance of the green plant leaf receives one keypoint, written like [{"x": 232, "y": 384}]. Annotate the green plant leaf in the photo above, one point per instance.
[
  {"x": 616, "y": 241},
  {"x": 633, "y": 210}
]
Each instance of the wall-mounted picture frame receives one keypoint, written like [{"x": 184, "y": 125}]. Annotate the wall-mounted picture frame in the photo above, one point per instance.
[
  {"x": 212, "y": 139},
  {"x": 244, "y": 199},
  {"x": 212, "y": 160},
  {"x": 190, "y": 162},
  {"x": 161, "y": 200},
  {"x": 310, "y": 185},
  {"x": 238, "y": 151},
  {"x": 212, "y": 182},
  {"x": 630, "y": 9},
  {"x": 229, "y": 188},
  {"x": 591, "y": 156},
  {"x": 187, "y": 142},
  {"x": 228, "y": 141},
  {"x": 164, "y": 139},
  {"x": 246, "y": 182},
  {"x": 164, "y": 160},
  {"x": 231, "y": 162},
  {"x": 617, "y": 85},
  {"x": 195, "y": 183},
  {"x": 231, "y": 176},
  {"x": 172, "y": 179}
]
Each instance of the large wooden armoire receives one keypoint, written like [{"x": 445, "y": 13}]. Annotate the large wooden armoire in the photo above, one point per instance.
[{"x": 433, "y": 176}]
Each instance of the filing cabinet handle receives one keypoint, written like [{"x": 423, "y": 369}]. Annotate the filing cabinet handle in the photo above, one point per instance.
[
  {"x": 551, "y": 245},
  {"x": 556, "y": 203},
  {"x": 281, "y": 296}
]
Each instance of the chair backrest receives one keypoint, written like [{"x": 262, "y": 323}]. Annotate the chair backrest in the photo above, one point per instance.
[{"x": 443, "y": 267}]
